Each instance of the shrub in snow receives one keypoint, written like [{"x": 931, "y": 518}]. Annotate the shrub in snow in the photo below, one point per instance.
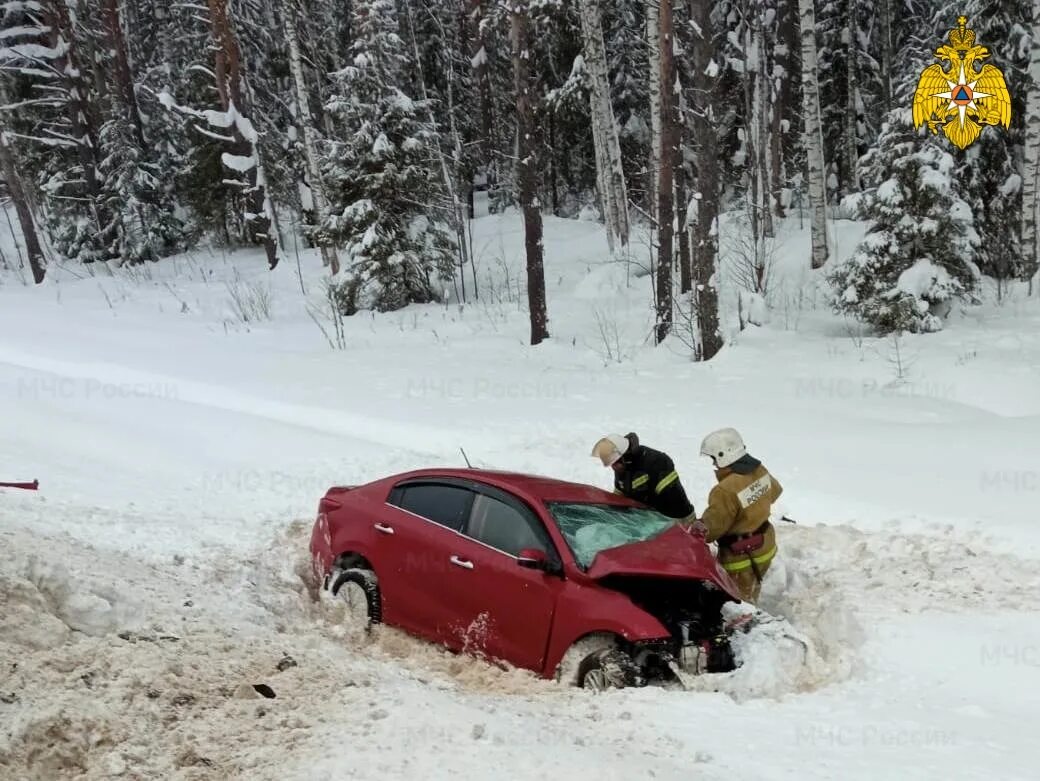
[
  {"x": 919, "y": 255},
  {"x": 381, "y": 175}
]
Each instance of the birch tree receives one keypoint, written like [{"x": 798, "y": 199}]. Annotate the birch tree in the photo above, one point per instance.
[
  {"x": 1031, "y": 165},
  {"x": 527, "y": 169},
  {"x": 329, "y": 256},
  {"x": 610, "y": 175},
  {"x": 653, "y": 39},
  {"x": 705, "y": 202},
  {"x": 813, "y": 134}
]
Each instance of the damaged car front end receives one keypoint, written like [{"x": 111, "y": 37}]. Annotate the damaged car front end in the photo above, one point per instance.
[{"x": 666, "y": 572}]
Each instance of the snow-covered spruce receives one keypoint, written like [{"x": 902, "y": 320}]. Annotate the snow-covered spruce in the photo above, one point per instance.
[
  {"x": 381, "y": 176},
  {"x": 919, "y": 254}
]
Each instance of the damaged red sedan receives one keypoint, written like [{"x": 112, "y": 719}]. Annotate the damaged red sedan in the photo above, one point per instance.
[{"x": 567, "y": 580}]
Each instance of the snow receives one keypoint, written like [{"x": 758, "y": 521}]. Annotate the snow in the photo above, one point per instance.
[
  {"x": 382, "y": 145},
  {"x": 923, "y": 278},
  {"x": 241, "y": 163},
  {"x": 18, "y": 31},
  {"x": 161, "y": 571},
  {"x": 306, "y": 197}
]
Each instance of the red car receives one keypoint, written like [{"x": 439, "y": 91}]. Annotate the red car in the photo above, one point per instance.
[{"x": 567, "y": 580}]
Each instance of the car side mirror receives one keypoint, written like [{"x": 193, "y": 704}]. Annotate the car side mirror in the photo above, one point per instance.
[{"x": 535, "y": 558}]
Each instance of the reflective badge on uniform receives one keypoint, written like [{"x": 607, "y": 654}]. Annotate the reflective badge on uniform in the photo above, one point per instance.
[{"x": 755, "y": 491}]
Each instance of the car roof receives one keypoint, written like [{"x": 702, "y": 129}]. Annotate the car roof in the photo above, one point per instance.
[{"x": 548, "y": 489}]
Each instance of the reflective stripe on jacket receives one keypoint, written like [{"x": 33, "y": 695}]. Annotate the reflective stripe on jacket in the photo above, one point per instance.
[{"x": 650, "y": 477}]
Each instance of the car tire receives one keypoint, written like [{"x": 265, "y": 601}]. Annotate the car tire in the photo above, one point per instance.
[
  {"x": 359, "y": 589},
  {"x": 610, "y": 668},
  {"x": 596, "y": 662}
]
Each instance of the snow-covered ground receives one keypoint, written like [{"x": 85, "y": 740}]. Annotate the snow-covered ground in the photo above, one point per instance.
[{"x": 161, "y": 569}]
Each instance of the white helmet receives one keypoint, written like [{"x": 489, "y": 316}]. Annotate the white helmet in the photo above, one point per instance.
[
  {"x": 610, "y": 448},
  {"x": 723, "y": 446}
]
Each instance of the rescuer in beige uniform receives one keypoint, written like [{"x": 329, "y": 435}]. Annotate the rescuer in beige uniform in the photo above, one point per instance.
[{"x": 738, "y": 511}]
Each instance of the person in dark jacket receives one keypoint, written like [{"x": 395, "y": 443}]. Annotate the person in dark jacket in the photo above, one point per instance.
[{"x": 645, "y": 475}]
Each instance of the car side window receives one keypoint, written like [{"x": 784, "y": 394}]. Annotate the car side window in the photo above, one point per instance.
[
  {"x": 447, "y": 505},
  {"x": 505, "y": 528}
]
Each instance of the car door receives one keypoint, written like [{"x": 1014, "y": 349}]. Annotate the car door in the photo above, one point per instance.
[
  {"x": 507, "y": 609},
  {"x": 420, "y": 530}
]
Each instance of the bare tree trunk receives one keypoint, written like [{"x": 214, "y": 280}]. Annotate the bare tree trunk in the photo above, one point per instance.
[
  {"x": 527, "y": 171},
  {"x": 609, "y": 172},
  {"x": 653, "y": 35},
  {"x": 37, "y": 262},
  {"x": 753, "y": 127},
  {"x": 763, "y": 93},
  {"x": 479, "y": 62},
  {"x": 1031, "y": 173},
  {"x": 231, "y": 89},
  {"x": 83, "y": 122},
  {"x": 780, "y": 92},
  {"x": 124, "y": 78},
  {"x": 681, "y": 201},
  {"x": 885, "y": 18},
  {"x": 789, "y": 104},
  {"x": 330, "y": 257},
  {"x": 666, "y": 161},
  {"x": 850, "y": 130},
  {"x": 813, "y": 133},
  {"x": 706, "y": 147}
]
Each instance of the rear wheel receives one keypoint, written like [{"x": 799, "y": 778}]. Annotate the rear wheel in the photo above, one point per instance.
[{"x": 358, "y": 590}]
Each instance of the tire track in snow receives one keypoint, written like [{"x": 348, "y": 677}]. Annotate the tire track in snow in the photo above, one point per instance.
[{"x": 417, "y": 438}]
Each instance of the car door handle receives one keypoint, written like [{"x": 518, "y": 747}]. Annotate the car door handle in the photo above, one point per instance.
[
  {"x": 461, "y": 562},
  {"x": 382, "y": 527}
]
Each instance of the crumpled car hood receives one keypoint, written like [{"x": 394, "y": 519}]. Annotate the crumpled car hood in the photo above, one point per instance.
[{"x": 675, "y": 553}]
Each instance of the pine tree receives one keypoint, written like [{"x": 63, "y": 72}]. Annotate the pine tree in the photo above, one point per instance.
[
  {"x": 919, "y": 254},
  {"x": 380, "y": 176}
]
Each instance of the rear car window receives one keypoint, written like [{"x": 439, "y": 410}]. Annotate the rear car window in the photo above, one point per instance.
[
  {"x": 505, "y": 528},
  {"x": 447, "y": 505}
]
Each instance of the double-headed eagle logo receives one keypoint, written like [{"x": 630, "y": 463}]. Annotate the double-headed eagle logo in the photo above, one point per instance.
[{"x": 961, "y": 99}]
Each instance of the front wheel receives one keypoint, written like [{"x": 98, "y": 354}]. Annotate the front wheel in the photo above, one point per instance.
[
  {"x": 607, "y": 669},
  {"x": 597, "y": 663}
]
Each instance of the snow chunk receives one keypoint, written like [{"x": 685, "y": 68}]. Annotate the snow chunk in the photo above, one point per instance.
[
  {"x": 924, "y": 279},
  {"x": 306, "y": 197},
  {"x": 382, "y": 145},
  {"x": 578, "y": 68},
  {"x": 238, "y": 163},
  {"x": 479, "y": 59},
  {"x": 1011, "y": 186},
  {"x": 889, "y": 191}
]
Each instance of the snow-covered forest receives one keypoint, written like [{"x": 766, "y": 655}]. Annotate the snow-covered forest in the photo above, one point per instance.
[{"x": 136, "y": 130}]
